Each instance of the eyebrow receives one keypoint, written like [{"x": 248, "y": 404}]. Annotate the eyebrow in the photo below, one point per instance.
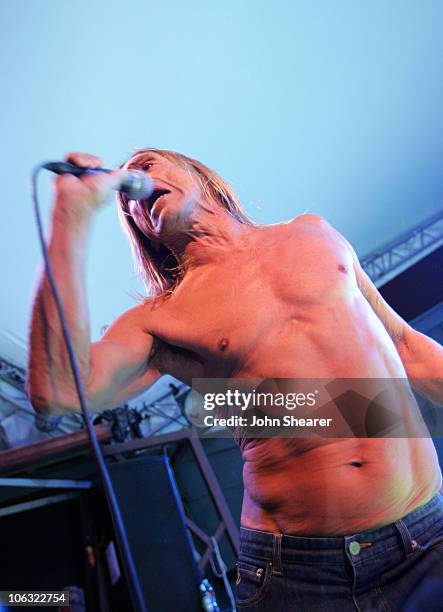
[{"x": 147, "y": 157}]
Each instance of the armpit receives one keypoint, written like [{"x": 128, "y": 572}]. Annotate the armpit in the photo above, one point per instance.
[{"x": 181, "y": 363}]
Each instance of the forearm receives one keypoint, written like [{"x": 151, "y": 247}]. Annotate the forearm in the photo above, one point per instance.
[{"x": 50, "y": 381}]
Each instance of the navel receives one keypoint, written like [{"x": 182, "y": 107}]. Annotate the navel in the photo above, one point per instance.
[{"x": 223, "y": 344}]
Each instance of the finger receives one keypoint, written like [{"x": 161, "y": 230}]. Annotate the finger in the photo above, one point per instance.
[
  {"x": 65, "y": 181},
  {"x": 66, "y": 185},
  {"x": 103, "y": 182},
  {"x": 84, "y": 160}
]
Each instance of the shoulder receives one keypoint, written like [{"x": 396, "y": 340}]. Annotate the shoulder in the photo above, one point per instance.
[
  {"x": 317, "y": 221},
  {"x": 132, "y": 319},
  {"x": 311, "y": 218},
  {"x": 321, "y": 223},
  {"x": 135, "y": 313},
  {"x": 139, "y": 313}
]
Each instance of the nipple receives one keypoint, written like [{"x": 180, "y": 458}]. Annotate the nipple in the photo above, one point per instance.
[{"x": 342, "y": 268}]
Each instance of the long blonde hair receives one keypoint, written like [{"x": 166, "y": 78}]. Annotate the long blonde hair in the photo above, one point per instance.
[{"x": 158, "y": 268}]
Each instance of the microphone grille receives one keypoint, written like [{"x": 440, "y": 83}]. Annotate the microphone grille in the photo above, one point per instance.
[{"x": 137, "y": 185}]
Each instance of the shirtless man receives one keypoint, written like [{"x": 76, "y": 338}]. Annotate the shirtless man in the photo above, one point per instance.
[{"x": 234, "y": 299}]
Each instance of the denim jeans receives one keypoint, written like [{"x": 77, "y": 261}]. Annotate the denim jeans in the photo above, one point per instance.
[{"x": 395, "y": 568}]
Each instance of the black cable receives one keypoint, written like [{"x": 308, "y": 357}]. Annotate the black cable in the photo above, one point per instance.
[{"x": 122, "y": 540}]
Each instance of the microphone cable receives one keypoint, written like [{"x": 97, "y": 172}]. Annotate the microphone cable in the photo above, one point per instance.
[{"x": 120, "y": 533}]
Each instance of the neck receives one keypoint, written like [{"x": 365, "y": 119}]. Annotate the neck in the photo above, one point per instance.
[{"x": 211, "y": 236}]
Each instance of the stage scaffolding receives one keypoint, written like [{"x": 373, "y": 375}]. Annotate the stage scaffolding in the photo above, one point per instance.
[{"x": 388, "y": 260}]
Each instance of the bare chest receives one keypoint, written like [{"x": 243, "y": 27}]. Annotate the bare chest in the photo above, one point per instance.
[{"x": 221, "y": 313}]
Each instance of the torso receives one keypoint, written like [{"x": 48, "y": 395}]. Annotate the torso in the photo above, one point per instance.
[{"x": 287, "y": 305}]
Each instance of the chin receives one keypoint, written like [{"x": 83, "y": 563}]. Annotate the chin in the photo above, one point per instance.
[{"x": 169, "y": 223}]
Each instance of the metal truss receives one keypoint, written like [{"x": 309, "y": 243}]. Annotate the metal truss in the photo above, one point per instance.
[
  {"x": 12, "y": 374},
  {"x": 415, "y": 243}
]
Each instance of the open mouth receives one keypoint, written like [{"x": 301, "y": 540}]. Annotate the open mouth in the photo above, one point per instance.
[{"x": 155, "y": 195}]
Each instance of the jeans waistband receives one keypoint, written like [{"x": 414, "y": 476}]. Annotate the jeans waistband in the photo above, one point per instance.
[{"x": 280, "y": 547}]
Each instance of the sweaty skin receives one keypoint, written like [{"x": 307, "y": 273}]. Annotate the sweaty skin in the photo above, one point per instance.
[{"x": 280, "y": 301}]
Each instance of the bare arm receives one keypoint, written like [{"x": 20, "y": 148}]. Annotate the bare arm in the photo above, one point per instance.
[
  {"x": 120, "y": 366},
  {"x": 113, "y": 369},
  {"x": 421, "y": 356}
]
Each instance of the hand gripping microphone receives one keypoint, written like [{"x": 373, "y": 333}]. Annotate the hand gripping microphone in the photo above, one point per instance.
[{"x": 135, "y": 184}]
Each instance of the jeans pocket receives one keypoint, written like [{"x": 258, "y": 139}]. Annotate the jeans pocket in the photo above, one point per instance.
[{"x": 253, "y": 578}]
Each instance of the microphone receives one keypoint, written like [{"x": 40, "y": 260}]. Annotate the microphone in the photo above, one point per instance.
[{"x": 135, "y": 184}]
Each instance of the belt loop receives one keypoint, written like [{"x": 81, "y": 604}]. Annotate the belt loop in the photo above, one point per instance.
[
  {"x": 277, "y": 569},
  {"x": 409, "y": 545}
]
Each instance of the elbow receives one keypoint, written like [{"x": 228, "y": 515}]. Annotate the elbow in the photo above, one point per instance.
[
  {"x": 56, "y": 394},
  {"x": 41, "y": 404},
  {"x": 35, "y": 394},
  {"x": 46, "y": 403}
]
